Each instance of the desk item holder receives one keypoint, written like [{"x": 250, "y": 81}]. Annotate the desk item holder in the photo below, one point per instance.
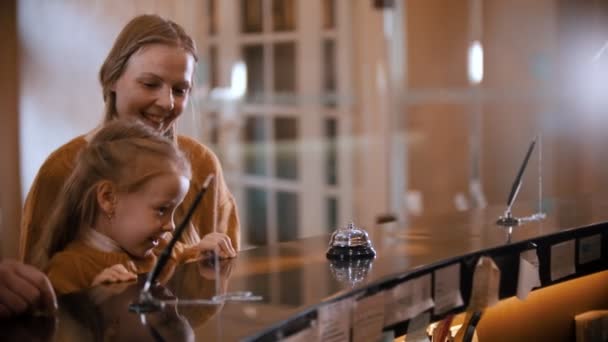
[
  {"x": 350, "y": 242},
  {"x": 508, "y": 220}
]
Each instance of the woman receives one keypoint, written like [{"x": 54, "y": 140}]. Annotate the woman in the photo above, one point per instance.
[
  {"x": 147, "y": 76},
  {"x": 23, "y": 288}
]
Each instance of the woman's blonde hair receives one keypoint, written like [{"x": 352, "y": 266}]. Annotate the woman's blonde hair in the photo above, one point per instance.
[
  {"x": 139, "y": 32},
  {"x": 126, "y": 153}
]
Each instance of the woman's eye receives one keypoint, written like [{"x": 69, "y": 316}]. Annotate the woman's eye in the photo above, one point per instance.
[
  {"x": 150, "y": 85},
  {"x": 180, "y": 91}
]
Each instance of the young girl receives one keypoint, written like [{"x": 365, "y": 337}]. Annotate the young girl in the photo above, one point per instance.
[{"x": 115, "y": 208}]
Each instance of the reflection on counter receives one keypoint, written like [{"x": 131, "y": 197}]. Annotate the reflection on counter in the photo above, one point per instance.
[
  {"x": 102, "y": 313},
  {"x": 350, "y": 272},
  {"x": 29, "y": 328}
]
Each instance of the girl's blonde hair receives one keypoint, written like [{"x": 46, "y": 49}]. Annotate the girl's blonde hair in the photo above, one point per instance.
[
  {"x": 128, "y": 154},
  {"x": 139, "y": 32}
]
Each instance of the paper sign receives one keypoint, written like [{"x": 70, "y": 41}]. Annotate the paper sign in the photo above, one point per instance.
[
  {"x": 529, "y": 276},
  {"x": 416, "y": 329},
  {"x": 562, "y": 260},
  {"x": 407, "y": 300},
  {"x": 368, "y": 318},
  {"x": 589, "y": 249},
  {"x": 447, "y": 289},
  {"x": 486, "y": 283},
  {"x": 334, "y": 321}
]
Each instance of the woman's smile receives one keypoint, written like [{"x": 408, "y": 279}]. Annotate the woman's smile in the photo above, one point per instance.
[{"x": 154, "y": 120}]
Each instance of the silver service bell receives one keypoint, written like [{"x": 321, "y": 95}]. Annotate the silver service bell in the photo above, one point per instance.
[{"x": 350, "y": 242}]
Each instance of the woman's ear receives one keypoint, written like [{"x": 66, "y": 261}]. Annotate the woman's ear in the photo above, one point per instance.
[{"x": 107, "y": 197}]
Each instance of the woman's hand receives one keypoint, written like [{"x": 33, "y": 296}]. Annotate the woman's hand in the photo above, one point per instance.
[
  {"x": 23, "y": 287},
  {"x": 114, "y": 274},
  {"x": 218, "y": 243}
]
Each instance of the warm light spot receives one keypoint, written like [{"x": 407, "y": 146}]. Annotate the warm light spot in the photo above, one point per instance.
[
  {"x": 238, "y": 80},
  {"x": 475, "y": 60}
]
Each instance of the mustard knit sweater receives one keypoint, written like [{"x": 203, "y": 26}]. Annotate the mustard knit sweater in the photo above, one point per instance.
[
  {"x": 216, "y": 212},
  {"x": 75, "y": 267}
]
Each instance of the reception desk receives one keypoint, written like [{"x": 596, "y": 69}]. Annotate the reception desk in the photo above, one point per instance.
[{"x": 296, "y": 282}]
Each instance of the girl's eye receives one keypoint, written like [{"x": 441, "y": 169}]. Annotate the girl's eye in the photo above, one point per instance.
[{"x": 162, "y": 211}]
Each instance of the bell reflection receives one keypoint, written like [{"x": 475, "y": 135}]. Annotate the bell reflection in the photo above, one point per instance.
[{"x": 350, "y": 272}]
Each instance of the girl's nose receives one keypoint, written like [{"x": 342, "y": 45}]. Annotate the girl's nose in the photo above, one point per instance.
[{"x": 169, "y": 226}]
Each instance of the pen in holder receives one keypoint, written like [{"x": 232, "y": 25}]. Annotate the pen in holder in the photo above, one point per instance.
[{"x": 508, "y": 220}]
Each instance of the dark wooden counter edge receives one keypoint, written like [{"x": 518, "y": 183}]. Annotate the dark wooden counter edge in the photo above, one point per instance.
[{"x": 506, "y": 258}]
